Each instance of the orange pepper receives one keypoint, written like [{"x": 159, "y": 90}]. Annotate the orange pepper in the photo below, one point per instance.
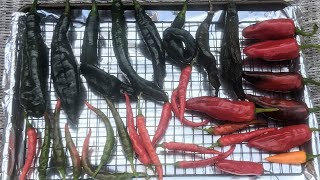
[{"x": 296, "y": 157}]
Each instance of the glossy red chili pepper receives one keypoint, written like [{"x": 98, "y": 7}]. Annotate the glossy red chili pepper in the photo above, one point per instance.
[
  {"x": 274, "y": 50},
  {"x": 182, "y": 88},
  {"x": 242, "y": 168},
  {"x": 279, "y": 82},
  {"x": 163, "y": 123},
  {"x": 241, "y": 137},
  {"x": 275, "y": 29},
  {"x": 224, "y": 109},
  {"x": 289, "y": 110},
  {"x": 180, "y": 146},
  {"x": 282, "y": 139}
]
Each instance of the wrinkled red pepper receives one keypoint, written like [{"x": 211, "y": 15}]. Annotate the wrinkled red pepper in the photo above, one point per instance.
[
  {"x": 275, "y": 29},
  {"x": 279, "y": 82},
  {"x": 274, "y": 50},
  {"x": 289, "y": 110},
  {"x": 224, "y": 109},
  {"x": 282, "y": 139},
  {"x": 241, "y": 168}
]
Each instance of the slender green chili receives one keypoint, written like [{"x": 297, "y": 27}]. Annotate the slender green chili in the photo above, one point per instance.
[
  {"x": 123, "y": 134},
  {"x": 59, "y": 156},
  {"x": 110, "y": 140},
  {"x": 180, "y": 19},
  {"x": 44, "y": 155}
]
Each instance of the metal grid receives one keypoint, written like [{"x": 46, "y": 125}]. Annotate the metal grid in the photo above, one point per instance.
[{"x": 198, "y": 86}]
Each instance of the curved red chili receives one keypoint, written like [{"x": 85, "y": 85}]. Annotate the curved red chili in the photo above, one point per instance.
[
  {"x": 180, "y": 146},
  {"x": 163, "y": 123},
  {"x": 182, "y": 89}
]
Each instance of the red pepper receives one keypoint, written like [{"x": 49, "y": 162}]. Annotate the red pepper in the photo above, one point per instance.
[
  {"x": 224, "y": 109},
  {"x": 274, "y": 29},
  {"x": 243, "y": 168},
  {"x": 32, "y": 147},
  {"x": 163, "y": 123},
  {"x": 289, "y": 110},
  {"x": 241, "y": 137},
  {"x": 182, "y": 88},
  {"x": 274, "y": 50},
  {"x": 279, "y": 82},
  {"x": 180, "y": 146},
  {"x": 282, "y": 139}
]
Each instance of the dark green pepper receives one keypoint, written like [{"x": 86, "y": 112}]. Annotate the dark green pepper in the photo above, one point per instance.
[
  {"x": 153, "y": 42},
  {"x": 34, "y": 71},
  {"x": 230, "y": 56},
  {"x": 120, "y": 47},
  {"x": 104, "y": 83},
  {"x": 89, "y": 46},
  {"x": 44, "y": 155},
  {"x": 180, "y": 19},
  {"x": 64, "y": 68},
  {"x": 205, "y": 57}
]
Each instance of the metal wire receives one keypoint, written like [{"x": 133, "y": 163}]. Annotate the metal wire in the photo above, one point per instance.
[{"x": 198, "y": 86}]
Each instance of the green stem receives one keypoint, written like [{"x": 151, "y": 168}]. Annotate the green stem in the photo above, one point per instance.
[
  {"x": 211, "y": 6},
  {"x": 67, "y": 8},
  {"x": 314, "y": 129},
  {"x": 139, "y": 108},
  {"x": 315, "y": 109},
  {"x": 216, "y": 144},
  {"x": 307, "y": 46},
  {"x": 263, "y": 110},
  {"x": 94, "y": 9},
  {"x": 311, "y": 156},
  {"x": 310, "y": 81},
  {"x": 28, "y": 124},
  {"x": 34, "y": 6},
  {"x": 303, "y": 33},
  {"x": 184, "y": 8},
  {"x": 136, "y": 4}
]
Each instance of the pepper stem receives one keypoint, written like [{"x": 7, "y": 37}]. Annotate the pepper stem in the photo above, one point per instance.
[
  {"x": 34, "y": 6},
  {"x": 139, "y": 108},
  {"x": 211, "y": 6},
  {"x": 94, "y": 9},
  {"x": 307, "y": 46},
  {"x": 28, "y": 124},
  {"x": 184, "y": 8},
  {"x": 263, "y": 110},
  {"x": 315, "y": 109},
  {"x": 314, "y": 129},
  {"x": 67, "y": 8},
  {"x": 311, "y": 156},
  {"x": 216, "y": 144},
  {"x": 310, "y": 81},
  {"x": 308, "y": 34}
]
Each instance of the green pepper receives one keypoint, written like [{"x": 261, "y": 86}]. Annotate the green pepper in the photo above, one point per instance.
[
  {"x": 90, "y": 39},
  {"x": 34, "y": 70},
  {"x": 44, "y": 154},
  {"x": 120, "y": 47},
  {"x": 110, "y": 139},
  {"x": 180, "y": 19},
  {"x": 64, "y": 68},
  {"x": 205, "y": 57}
]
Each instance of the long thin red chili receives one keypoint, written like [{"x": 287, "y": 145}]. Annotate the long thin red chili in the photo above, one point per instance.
[
  {"x": 182, "y": 88},
  {"x": 175, "y": 110},
  {"x": 180, "y": 146},
  {"x": 205, "y": 162},
  {"x": 145, "y": 139},
  {"x": 135, "y": 139},
  {"x": 32, "y": 146},
  {"x": 163, "y": 123}
]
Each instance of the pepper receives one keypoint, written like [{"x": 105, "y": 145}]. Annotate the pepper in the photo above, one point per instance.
[
  {"x": 282, "y": 139},
  {"x": 45, "y": 148},
  {"x": 180, "y": 19},
  {"x": 230, "y": 56},
  {"x": 278, "y": 82},
  {"x": 120, "y": 47},
  {"x": 153, "y": 42},
  {"x": 224, "y": 109},
  {"x": 180, "y": 146},
  {"x": 242, "y": 168},
  {"x": 123, "y": 135},
  {"x": 59, "y": 157},
  {"x": 289, "y": 110},
  {"x": 110, "y": 139},
  {"x": 296, "y": 157},
  {"x": 34, "y": 70},
  {"x": 89, "y": 53},
  {"x": 104, "y": 83},
  {"x": 64, "y": 68},
  {"x": 76, "y": 162},
  {"x": 205, "y": 57},
  {"x": 275, "y": 29}
]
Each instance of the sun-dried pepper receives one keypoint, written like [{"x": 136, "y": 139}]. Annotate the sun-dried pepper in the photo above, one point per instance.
[{"x": 45, "y": 148}]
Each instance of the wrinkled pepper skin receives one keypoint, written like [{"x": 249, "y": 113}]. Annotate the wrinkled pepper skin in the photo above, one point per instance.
[
  {"x": 223, "y": 109},
  {"x": 120, "y": 47},
  {"x": 34, "y": 72},
  {"x": 283, "y": 139},
  {"x": 289, "y": 110},
  {"x": 64, "y": 70},
  {"x": 205, "y": 57},
  {"x": 153, "y": 42},
  {"x": 278, "y": 82},
  {"x": 270, "y": 29},
  {"x": 230, "y": 57},
  {"x": 274, "y": 50},
  {"x": 104, "y": 83}
]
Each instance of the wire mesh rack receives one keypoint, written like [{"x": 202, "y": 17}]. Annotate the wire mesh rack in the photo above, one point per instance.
[{"x": 198, "y": 86}]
